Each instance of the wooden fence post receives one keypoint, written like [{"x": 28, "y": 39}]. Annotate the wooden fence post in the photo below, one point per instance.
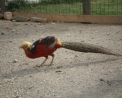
[
  {"x": 2, "y": 5},
  {"x": 86, "y": 7}
]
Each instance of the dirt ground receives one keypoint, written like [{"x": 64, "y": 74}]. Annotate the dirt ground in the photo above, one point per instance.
[{"x": 73, "y": 74}]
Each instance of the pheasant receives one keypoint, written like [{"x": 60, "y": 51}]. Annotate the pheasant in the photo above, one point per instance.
[{"x": 45, "y": 47}]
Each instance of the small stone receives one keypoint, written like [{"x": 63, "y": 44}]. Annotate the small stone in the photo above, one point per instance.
[
  {"x": 26, "y": 24},
  {"x": 108, "y": 83},
  {"x": 53, "y": 23},
  {"x": 39, "y": 23},
  {"x": 15, "y": 60},
  {"x": 80, "y": 30},
  {"x": 14, "y": 20},
  {"x": 15, "y": 96},
  {"x": 59, "y": 67},
  {"x": 8, "y": 15},
  {"x": 7, "y": 27},
  {"x": 31, "y": 87},
  {"x": 38, "y": 19},
  {"x": 71, "y": 65},
  {"x": 92, "y": 38},
  {"x": 13, "y": 30},
  {"x": 110, "y": 71},
  {"x": 1, "y": 16},
  {"x": 101, "y": 79},
  {"x": 2, "y": 33},
  {"x": 17, "y": 33},
  {"x": 20, "y": 19},
  {"x": 58, "y": 71},
  {"x": 9, "y": 61},
  {"x": 10, "y": 41}
]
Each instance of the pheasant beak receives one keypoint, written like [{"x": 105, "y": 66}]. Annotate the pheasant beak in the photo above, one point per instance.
[{"x": 20, "y": 47}]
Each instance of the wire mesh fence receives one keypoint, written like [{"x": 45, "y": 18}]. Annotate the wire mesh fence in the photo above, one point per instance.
[
  {"x": 107, "y": 7},
  {"x": 98, "y": 7}
]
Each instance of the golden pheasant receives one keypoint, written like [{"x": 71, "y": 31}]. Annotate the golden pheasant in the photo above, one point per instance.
[{"x": 46, "y": 46}]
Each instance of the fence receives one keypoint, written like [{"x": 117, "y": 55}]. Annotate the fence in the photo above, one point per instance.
[
  {"x": 72, "y": 7},
  {"x": 88, "y": 11},
  {"x": 107, "y": 7}
]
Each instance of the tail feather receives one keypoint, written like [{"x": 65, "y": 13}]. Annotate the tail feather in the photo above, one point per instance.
[{"x": 85, "y": 47}]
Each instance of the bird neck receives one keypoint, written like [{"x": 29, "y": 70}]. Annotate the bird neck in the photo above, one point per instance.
[{"x": 28, "y": 53}]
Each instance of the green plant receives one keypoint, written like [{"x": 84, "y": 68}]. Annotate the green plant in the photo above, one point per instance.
[
  {"x": 56, "y": 1},
  {"x": 49, "y": 2},
  {"x": 12, "y": 5},
  {"x": 17, "y": 4}
]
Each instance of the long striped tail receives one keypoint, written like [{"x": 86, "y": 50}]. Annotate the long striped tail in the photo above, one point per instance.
[{"x": 85, "y": 47}]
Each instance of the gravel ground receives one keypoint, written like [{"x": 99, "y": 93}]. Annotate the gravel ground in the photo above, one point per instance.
[{"x": 73, "y": 74}]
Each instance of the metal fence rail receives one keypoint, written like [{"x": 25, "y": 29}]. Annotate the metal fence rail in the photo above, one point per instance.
[{"x": 97, "y": 7}]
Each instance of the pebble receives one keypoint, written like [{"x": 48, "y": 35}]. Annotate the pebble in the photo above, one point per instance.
[
  {"x": 20, "y": 19},
  {"x": 9, "y": 61},
  {"x": 2, "y": 33},
  {"x": 14, "y": 20},
  {"x": 59, "y": 67},
  {"x": 15, "y": 96},
  {"x": 13, "y": 30},
  {"x": 7, "y": 27},
  {"x": 31, "y": 87},
  {"x": 10, "y": 41},
  {"x": 58, "y": 71},
  {"x": 26, "y": 24},
  {"x": 15, "y": 60},
  {"x": 110, "y": 71},
  {"x": 15, "y": 24},
  {"x": 53, "y": 23},
  {"x": 92, "y": 38},
  {"x": 102, "y": 79},
  {"x": 39, "y": 23},
  {"x": 17, "y": 33}
]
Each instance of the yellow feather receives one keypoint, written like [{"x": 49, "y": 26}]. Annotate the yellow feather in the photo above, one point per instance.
[
  {"x": 59, "y": 43},
  {"x": 25, "y": 45}
]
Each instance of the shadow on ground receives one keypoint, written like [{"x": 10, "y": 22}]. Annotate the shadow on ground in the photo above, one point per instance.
[{"x": 33, "y": 70}]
